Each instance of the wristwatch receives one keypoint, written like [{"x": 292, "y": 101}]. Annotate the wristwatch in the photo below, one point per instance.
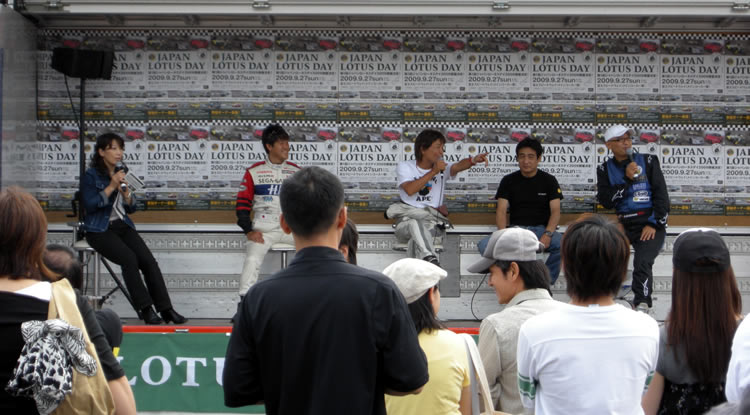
[{"x": 549, "y": 233}]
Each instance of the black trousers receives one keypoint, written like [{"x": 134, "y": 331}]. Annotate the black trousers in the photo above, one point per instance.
[
  {"x": 643, "y": 262},
  {"x": 122, "y": 245}
]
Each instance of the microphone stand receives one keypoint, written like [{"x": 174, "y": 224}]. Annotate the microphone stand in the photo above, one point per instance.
[{"x": 81, "y": 151}]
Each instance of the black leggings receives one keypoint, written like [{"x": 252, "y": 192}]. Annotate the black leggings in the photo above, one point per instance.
[{"x": 122, "y": 245}]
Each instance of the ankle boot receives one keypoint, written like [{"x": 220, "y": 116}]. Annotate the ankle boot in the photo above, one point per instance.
[
  {"x": 169, "y": 315},
  {"x": 149, "y": 316}
]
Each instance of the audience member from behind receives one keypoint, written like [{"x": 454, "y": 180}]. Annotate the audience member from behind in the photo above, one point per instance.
[
  {"x": 111, "y": 232},
  {"x": 591, "y": 356},
  {"x": 738, "y": 374},
  {"x": 349, "y": 241},
  {"x": 62, "y": 260},
  {"x": 24, "y": 297},
  {"x": 321, "y": 336},
  {"x": 695, "y": 341},
  {"x": 449, "y": 388},
  {"x": 522, "y": 283},
  {"x": 103, "y": 326}
]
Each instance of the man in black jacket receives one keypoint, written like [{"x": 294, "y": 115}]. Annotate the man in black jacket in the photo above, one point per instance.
[
  {"x": 321, "y": 336},
  {"x": 634, "y": 186}
]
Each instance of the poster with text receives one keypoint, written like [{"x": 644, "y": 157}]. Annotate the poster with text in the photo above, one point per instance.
[
  {"x": 693, "y": 166},
  {"x": 371, "y": 156},
  {"x": 122, "y": 97},
  {"x": 370, "y": 63},
  {"x": 692, "y": 66},
  {"x": 178, "y": 77},
  {"x": 178, "y": 166},
  {"x": 306, "y": 63},
  {"x": 434, "y": 63},
  {"x": 562, "y": 65},
  {"x": 737, "y": 170},
  {"x": 55, "y": 165},
  {"x": 570, "y": 156},
  {"x": 630, "y": 66},
  {"x": 737, "y": 68},
  {"x": 498, "y": 64},
  {"x": 313, "y": 146}
]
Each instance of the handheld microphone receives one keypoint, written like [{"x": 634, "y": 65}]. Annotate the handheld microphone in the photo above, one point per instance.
[
  {"x": 629, "y": 153},
  {"x": 120, "y": 166}
]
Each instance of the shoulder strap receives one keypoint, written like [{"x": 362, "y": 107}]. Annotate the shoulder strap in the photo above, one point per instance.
[
  {"x": 479, "y": 375},
  {"x": 65, "y": 306},
  {"x": 472, "y": 375}
]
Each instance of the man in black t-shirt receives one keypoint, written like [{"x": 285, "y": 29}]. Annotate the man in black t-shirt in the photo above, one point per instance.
[{"x": 532, "y": 198}]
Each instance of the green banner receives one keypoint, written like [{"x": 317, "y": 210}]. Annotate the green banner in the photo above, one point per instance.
[
  {"x": 181, "y": 372},
  {"x": 178, "y": 372}
]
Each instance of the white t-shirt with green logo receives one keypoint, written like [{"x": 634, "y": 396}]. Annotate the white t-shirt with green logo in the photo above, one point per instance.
[{"x": 587, "y": 360}]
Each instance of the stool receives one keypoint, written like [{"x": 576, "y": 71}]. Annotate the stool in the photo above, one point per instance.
[
  {"x": 284, "y": 249},
  {"x": 82, "y": 246}
]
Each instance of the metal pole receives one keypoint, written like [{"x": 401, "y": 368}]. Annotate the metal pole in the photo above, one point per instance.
[{"x": 81, "y": 151}]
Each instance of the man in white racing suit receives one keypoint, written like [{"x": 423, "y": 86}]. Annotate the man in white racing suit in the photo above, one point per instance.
[{"x": 259, "y": 193}]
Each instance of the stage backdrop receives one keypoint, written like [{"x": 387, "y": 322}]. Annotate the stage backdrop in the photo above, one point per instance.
[{"x": 191, "y": 106}]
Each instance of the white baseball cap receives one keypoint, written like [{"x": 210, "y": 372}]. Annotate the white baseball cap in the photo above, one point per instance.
[
  {"x": 414, "y": 277},
  {"x": 617, "y": 131}
]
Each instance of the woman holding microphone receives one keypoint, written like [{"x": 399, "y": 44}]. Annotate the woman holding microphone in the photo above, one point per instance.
[{"x": 107, "y": 201}]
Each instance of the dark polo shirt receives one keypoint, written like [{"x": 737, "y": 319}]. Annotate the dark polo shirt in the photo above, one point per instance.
[{"x": 322, "y": 337}]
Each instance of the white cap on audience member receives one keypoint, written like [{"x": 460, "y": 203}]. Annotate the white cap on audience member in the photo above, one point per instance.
[
  {"x": 509, "y": 244},
  {"x": 414, "y": 277},
  {"x": 617, "y": 131}
]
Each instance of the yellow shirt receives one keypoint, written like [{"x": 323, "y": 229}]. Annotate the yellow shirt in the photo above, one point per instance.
[{"x": 449, "y": 374}]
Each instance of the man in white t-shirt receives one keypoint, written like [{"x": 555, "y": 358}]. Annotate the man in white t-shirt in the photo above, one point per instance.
[
  {"x": 591, "y": 356},
  {"x": 421, "y": 185},
  {"x": 738, "y": 375}
]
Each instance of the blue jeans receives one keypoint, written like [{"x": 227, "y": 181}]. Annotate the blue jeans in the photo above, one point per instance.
[{"x": 553, "y": 260}]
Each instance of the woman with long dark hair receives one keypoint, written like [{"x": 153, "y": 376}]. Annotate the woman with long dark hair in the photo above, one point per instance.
[
  {"x": 696, "y": 339},
  {"x": 448, "y": 390},
  {"x": 110, "y": 232}
]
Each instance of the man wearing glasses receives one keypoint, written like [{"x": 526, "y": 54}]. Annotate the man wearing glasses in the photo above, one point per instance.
[
  {"x": 531, "y": 197},
  {"x": 634, "y": 186}
]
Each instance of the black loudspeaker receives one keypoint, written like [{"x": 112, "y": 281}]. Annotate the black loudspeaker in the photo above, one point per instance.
[{"x": 81, "y": 63}]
